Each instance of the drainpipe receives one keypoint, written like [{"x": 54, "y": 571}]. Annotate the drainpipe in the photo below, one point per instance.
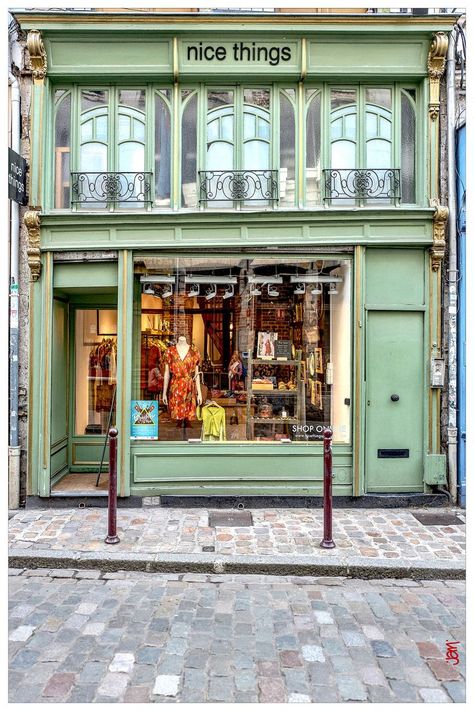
[
  {"x": 14, "y": 448},
  {"x": 452, "y": 272}
]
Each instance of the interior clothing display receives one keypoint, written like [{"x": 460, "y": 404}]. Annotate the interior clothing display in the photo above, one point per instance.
[
  {"x": 182, "y": 390},
  {"x": 102, "y": 372},
  {"x": 155, "y": 380},
  {"x": 153, "y": 349},
  {"x": 213, "y": 423}
]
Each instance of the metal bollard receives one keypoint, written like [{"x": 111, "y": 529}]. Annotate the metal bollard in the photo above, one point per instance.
[
  {"x": 112, "y": 519},
  {"x": 327, "y": 541}
]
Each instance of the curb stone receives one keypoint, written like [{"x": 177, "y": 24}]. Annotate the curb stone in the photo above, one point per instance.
[{"x": 354, "y": 567}]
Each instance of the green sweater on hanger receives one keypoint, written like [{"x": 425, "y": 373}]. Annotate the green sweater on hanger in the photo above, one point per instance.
[{"x": 213, "y": 423}]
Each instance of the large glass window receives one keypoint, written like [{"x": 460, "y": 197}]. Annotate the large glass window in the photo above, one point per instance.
[
  {"x": 62, "y": 148},
  {"x": 238, "y": 148},
  {"x": 162, "y": 148},
  {"x": 353, "y": 132},
  {"x": 251, "y": 349},
  {"x": 313, "y": 147},
  {"x": 287, "y": 147},
  {"x": 189, "y": 149},
  {"x": 95, "y": 358}
]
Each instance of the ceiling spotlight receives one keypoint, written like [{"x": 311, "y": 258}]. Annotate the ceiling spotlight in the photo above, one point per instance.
[
  {"x": 300, "y": 288},
  {"x": 255, "y": 291},
  {"x": 317, "y": 289},
  {"x": 332, "y": 289},
  {"x": 167, "y": 291},
  {"x": 229, "y": 292},
  {"x": 194, "y": 290},
  {"x": 272, "y": 291},
  {"x": 148, "y": 289},
  {"x": 211, "y": 292}
]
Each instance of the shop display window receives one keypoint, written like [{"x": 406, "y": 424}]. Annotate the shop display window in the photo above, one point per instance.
[
  {"x": 95, "y": 357},
  {"x": 244, "y": 349}
]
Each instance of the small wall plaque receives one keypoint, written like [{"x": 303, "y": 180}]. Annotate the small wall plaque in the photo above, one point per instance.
[{"x": 437, "y": 372}]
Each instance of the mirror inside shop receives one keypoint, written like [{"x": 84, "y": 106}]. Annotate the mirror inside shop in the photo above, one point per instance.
[{"x": 242, "y": 350}]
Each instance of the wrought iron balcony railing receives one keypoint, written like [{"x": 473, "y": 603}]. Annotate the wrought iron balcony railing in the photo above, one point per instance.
[
  {"x": 362, "y": 184},
  {"x": 238, "y": 185},
  {"x": 110, "y": 188}
]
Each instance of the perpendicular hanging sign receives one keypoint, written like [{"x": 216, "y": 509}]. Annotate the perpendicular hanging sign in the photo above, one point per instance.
[{"x": 16, "y": 177}]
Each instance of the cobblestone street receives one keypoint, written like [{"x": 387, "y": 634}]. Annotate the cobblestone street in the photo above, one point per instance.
[{"x": 86, "y": 636}]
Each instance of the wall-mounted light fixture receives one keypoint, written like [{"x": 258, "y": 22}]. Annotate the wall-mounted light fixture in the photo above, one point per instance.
[
  {"x": 148, "y": 289},
  {"x": 168, "y": 281},
  {"x": 194, "y": 290},
  {"x": 272, "y": 291},
  {"x": 229, "y": 292},
  {"x": 190, "y": 279},
  {"x": 300, "y": 288},
  {"x": 332, "y": 291},
  {"x": 252, "y": 279},
  {"x": 211, "y": 292},
  {"x": 316, "y": 279}
]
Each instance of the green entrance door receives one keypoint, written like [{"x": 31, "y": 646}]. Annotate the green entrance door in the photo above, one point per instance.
[{"x": 394, "y": 375}]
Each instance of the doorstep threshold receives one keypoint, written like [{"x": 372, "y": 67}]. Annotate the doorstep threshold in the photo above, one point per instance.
[{"x": 79, "y": 493}]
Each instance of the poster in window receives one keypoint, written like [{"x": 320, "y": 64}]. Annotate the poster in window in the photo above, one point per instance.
[
  {"x": 266, "y": 344},
  {"x": 144, "y": 419}
]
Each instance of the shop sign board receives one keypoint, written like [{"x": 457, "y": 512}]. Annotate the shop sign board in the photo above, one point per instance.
[
  {"x": 16, "y": 177},
  {"x": 144, "y": 419},
  {"x": 234, "y": 55}
]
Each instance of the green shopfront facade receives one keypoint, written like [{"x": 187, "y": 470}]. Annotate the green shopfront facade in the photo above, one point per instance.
[{"x": 271, "y": 197}]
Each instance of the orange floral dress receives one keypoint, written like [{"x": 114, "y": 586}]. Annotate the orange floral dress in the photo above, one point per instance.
[{"x": 182, "y": 390}]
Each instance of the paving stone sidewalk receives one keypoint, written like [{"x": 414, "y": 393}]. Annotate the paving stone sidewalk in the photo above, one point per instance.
[
  {"x": 371, "y": 534},
  {"x": 85, "y": 636}
]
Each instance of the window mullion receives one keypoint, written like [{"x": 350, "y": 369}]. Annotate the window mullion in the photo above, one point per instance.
[{"x": 238, "y": 127}]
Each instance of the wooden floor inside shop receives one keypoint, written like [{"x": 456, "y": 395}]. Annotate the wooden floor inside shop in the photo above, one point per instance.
[{"x": 83, "y": 483}]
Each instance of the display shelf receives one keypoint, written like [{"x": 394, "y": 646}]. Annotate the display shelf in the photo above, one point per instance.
[
  {"x": 276, "y": 420},
  {"x": 281, "y": 393},
  {"x": 274, "y": 361},
  {"x": 297, "y": 401}
]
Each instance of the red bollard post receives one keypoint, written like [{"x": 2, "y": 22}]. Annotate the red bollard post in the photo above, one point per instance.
[
  {"x": 112, "y": 520},
  {"x": 327, "y": 541}
]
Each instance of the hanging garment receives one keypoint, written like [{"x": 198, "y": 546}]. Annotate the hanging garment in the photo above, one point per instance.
[
  {"x": 182, "y": 391},
  {"x": 213, "y": 423}
]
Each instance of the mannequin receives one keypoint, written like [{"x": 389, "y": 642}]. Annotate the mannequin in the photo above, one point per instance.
[{"x": 181, "y": 373}]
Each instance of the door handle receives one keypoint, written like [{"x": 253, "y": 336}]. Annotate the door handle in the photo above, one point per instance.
[{"x": 395, "y": 398}]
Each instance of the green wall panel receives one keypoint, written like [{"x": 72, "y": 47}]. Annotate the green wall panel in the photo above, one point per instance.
[
  {"x": 59, "y": 461},
  {"x": 247, "y": 464},
  {"x": 59, "y": 399},
  {"x": 93, "y": 56},
  {"x": 369, "y": 58},
  {"x": 76, "y": 236},
  {"x": 85, "y": 274},
  {"x": 395, "y": 277}
]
